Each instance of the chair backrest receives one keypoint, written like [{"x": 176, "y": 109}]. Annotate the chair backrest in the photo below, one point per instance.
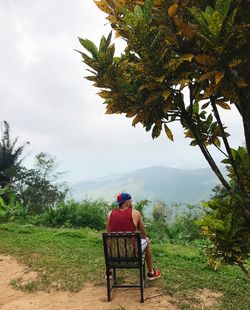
[{"x": 122, "y": 249}]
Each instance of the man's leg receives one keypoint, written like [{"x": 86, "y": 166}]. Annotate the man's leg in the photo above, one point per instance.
[
  {"x": 152, "y": 273},
  {"x": 149, "y": 259}
]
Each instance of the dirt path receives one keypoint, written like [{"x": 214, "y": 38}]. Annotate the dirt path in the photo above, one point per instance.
[{"x": 89, "y": 298}]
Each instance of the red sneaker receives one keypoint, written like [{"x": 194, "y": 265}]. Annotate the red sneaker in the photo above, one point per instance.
[{"x": 152, "y": 276}]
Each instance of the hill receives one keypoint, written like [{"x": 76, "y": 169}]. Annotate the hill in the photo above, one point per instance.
[{"x": 154, "y": 183}]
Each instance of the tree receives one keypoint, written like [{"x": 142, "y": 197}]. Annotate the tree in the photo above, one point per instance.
[
  {"x": 173, "y": 47},
  {"x": 9, "y": 156},
  {"x": 9, "y": 161},
  {"x": 160, "y": 211},
  {"x": 38, "y": 188}
]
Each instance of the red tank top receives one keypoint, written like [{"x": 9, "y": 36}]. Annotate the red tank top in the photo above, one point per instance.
[{"x": 121, "y": 221}]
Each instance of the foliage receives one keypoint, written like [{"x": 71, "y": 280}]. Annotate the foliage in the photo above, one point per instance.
[
  {"x": 13, "y": 210},
  {"x": 9, "y": 156},
  {"x": 160, "y": 211},
  {"x": 172, "y": 47},
  {"x": 223, "y": 223},
  {"x": 182, "y": 228},
  {"x": 38, "y": 188},
  {"x": 141, "y": 205},
  {"x": 71, "y": 213},
  {"x": 47, "y": 166}
]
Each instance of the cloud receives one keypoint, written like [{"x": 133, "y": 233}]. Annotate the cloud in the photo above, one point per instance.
[{"x": 47, "y": 101}]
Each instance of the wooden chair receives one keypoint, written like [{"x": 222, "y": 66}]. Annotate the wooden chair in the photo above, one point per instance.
[{"x": 123, "y": 250}]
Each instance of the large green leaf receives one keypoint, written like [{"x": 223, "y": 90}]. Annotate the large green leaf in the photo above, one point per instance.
[{"x": 89, "y": 46}]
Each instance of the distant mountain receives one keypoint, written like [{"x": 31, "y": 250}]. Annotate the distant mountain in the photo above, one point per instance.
[{"x": 155, "y": 183}]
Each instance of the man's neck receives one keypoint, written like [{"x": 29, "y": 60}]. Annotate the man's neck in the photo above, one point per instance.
[{"x": 123, "y": 207}]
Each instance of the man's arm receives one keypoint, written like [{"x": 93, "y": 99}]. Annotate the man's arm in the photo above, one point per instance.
[
  {"x": 138, "y": 221},
  {"x": 141, "y": 227}
]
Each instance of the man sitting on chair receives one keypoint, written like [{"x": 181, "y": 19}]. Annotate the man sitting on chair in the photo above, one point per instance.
[{"x": 125, "y": 218}]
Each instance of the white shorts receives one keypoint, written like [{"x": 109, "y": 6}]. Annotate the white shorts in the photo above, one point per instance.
[{"x": 144, "y": 243}]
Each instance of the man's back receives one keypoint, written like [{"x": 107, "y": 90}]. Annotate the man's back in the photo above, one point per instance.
[{"x": 121, "y": 220}]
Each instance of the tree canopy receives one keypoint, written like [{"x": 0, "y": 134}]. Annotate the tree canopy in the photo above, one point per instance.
[
  {"x": 10, "y": 155},
  {"x": 199, "y": 47}
]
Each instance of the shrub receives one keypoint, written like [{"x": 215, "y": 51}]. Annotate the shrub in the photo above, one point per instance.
[
  {"x": 11, "y": 209},
  {"x": 71, "y": 213}
]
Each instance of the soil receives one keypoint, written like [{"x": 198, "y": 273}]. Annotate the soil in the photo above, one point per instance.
[{"x": 90, "y": 297}]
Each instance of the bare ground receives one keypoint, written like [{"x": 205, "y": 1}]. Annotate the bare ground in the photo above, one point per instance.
[{"x": 90, "y": 297}]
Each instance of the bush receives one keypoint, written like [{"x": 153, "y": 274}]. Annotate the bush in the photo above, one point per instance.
[
  {"x": 71, "y": 213},
  {"x": 11, "y": 210}
]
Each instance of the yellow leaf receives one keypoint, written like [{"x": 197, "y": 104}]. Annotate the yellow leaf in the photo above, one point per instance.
[
  {"x": 183, "y": 83},
  {"x": 172, "y": 10},
  {"x": 235, "y": 62},
  {"x": 207, "y": 76},
  {"x": 118, "y": 4},
  {"x": 151, "y": 99},
  {"x": 208, "y": 92},
  {"x": 141, "y": 117},
  {"x": 149, "y": 86},
  {"x": 131, "y": 113},
  {"x": 216, "y": 141},
  {"x": 186, "y": 30},
  {"x": 218, "y": 77},
  {"x": 168, "y": 133},
  {"x": 103, "y": 5},
  {"x": 111, "y": 19},
  {"x": 104, "y": 94},
  {"x": 223, "y": 104},
  {"x": 167, "y": 107},
  {"x": 160, "y": 78},
  {"x": 117, "y": 34},
  {"x": 189, "y": 134},
  {"x": 110, "y": 109},
  {"x": 241, "y": 83},
  {"x": 187, "y": 57},
  {"x": 205, "y": 60},
  {"x": 137, "y": 119},
  {"x": 165, "y": 94},
  {"x": 158, "y": 2},
  {"x": 217, "y": 131}
]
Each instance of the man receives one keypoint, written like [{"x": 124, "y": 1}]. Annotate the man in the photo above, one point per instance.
[{"x": 125, "y": 218}]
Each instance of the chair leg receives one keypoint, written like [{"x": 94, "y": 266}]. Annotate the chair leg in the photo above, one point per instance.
[
  {"x": 114, "y": 275},
  {"x": 144, "y": 275},
  {"x": 142, "y": 283},
  {"x": 108, "y": 284}
]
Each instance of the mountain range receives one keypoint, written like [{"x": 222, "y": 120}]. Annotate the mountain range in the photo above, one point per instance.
[{"x": 170, "y": 185}]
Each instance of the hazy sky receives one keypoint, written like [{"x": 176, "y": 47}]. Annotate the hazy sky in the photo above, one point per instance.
[{"x": 47, "y": 102}]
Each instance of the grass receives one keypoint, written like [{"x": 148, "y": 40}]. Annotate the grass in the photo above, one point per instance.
[
  {"x": 63, "y": 258},
  {"x": 67, "y": 258}
]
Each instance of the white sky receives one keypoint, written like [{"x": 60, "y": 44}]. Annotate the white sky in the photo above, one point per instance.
[{"x": 47, "y": 102}]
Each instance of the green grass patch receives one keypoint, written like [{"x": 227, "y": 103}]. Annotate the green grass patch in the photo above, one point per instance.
[
  {"x": 67, "y": 258},
  {"x": 185, "y": 271},
  {"x": 63, "y": 258}
]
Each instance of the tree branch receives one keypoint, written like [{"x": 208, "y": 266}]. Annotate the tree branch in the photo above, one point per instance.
[
  {"x": 228, "y": 149},
  {"x": 202, "y": 146}
]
